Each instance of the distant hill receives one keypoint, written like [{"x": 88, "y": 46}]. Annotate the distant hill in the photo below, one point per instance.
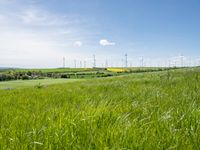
[
  {"x": 3, "y": 68},
  {"x": 6, "y": 68}
]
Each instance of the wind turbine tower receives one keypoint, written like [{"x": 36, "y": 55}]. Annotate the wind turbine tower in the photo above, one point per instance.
[
  {"x": 94, "y": 61},
  {"x": 181, "y": 57},
  {"x": 126, "y": 60},
  {"x": 63, "y": 62},
  {"x": 84, "y": 64},
  {"x": 75, "y": 63}
]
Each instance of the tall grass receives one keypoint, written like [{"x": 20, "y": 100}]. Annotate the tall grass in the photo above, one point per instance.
[{"x": 143, "y": 111}]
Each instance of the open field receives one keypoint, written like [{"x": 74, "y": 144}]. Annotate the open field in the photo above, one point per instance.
[
  {"x": 32, "y": 83},
  {"x": 158, "y": 110},
  {"x": 66, "y": 70},
  {"x": 72, "y": 73},
  {"x": 54, "y": 70}
]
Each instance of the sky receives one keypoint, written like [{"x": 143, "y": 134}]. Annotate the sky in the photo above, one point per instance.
[{"x": 39, "y": 33}]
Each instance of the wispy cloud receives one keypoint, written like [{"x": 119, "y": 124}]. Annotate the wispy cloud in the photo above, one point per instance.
[
  {"x": 36, "y": 35},
  {"x": 38, "y": 17},
  {"x": 105, "y": 42}
]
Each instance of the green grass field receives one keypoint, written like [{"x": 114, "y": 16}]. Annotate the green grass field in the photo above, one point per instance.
[
  {"x": 159, "y": 110},
  {"x": 10, "y": 85}
]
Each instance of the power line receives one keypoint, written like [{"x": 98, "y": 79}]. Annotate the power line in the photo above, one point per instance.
[{"x": 178, "y": 61}]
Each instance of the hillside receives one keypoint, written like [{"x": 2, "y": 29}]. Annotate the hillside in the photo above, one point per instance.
[{"x": 157, "y": 110}]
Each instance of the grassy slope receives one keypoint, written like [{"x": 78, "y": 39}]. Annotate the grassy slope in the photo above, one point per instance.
[
  {"x": 142, "y": 111},
  {"x": 32, "y": 83}
]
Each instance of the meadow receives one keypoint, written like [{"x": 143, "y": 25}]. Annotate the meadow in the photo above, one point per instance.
[
  {"x": 11, "y": 85},
  {"x": 152, "y": 110},
  {"x": 10, "y": 74}
]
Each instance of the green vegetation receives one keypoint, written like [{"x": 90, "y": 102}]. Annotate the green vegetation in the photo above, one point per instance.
[
  {"x": 33, "y": 74},
  {"x": 158, "y": 110},
  {"x": 10, "y": 85},
  {"x": 74, "y": 73}
]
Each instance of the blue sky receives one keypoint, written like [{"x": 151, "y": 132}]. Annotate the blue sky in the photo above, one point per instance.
[{"x": 38, "y": 33}]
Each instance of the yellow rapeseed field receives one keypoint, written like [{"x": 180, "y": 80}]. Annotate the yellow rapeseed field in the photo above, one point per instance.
[{"x": 117, "y": 69}]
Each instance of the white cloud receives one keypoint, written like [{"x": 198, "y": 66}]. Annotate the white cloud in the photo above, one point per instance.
[
  {"x": 34, "y": 37},
  {"x": 105, "y": 42},
  {"x": 78, "y": 44}
]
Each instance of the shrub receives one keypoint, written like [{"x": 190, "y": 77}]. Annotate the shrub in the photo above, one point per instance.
[
  {"x": 6, "y": 77},
  {"x": 25, "y": 77},
  {"x": 65, "y": 76}
]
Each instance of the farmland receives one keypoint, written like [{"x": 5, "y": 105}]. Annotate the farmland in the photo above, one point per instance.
[
  {"x": 71, "y": 73},
  {"x": 152, "y": 110}
]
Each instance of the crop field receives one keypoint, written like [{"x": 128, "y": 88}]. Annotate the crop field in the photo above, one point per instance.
[
  {"x": 137, "y": 69},
  {"x": 10, "y": 74},
  {"x": 71, "y": 70},
  {"x": 153, "y": 110}
]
